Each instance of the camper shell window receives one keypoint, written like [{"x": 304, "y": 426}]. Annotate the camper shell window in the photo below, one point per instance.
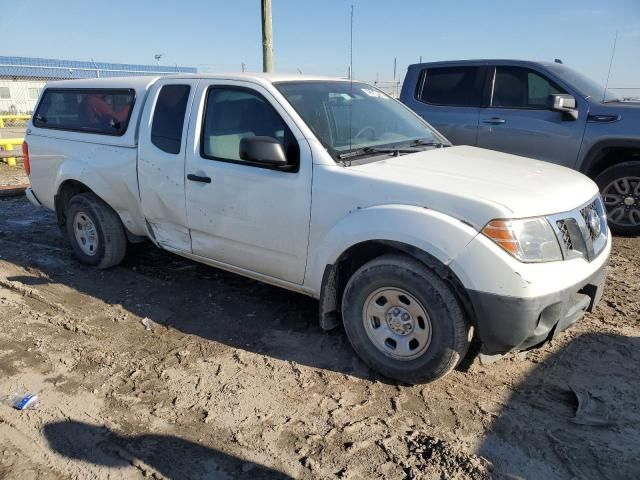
[{"x": 90, "y": 110}]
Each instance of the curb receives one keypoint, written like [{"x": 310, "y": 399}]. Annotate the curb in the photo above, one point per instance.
[{"x": 12, "y": 190}]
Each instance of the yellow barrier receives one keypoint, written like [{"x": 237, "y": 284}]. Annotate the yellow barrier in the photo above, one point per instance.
[
  {"x": 11, "y": 118},
  {"x": 7, "y": 145}
]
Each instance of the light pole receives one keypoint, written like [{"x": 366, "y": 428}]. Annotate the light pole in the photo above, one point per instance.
[
  {"x": 267, "y": 37},
  {"x": 158, "y": 56}
]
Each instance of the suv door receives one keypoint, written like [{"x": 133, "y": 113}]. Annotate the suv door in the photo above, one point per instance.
[
  {"x": 449, "y": 98},
  {"x": 240, "y": 214},
  {"x": 519, "y": 119}
]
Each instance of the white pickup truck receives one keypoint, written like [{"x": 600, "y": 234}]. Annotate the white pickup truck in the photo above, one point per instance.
[{"x": 332, "y": 189}]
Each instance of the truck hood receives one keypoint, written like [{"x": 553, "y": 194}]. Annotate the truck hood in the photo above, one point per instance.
[{"x": 477, "y": 185}]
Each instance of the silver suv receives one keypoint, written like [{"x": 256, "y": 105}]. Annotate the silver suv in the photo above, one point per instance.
[{"x": 541, "y": 110}]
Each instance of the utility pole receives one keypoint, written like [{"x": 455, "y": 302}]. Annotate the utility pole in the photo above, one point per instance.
[{"x": 267, "y": 37}]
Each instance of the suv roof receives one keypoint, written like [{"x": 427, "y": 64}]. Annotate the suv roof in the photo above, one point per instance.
[{"x": 486, "y": 62}]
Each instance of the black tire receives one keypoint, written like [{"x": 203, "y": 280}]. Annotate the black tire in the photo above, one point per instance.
[
  {"x": 112, "y": 239},
  {"x": 604, "y": 180},
  {"x": 449, "y": 340}
]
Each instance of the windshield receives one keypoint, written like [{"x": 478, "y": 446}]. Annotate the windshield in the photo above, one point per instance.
[
  {"x": 587, "y": 87},
  {"x": 348, "y": 117}
]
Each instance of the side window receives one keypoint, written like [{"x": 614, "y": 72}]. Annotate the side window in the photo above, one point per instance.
[
  {"x": 5, "y": 93},
  {"x": 454, "y": 86},
  {"x": 516, "y": 87},
  {"x": 101, "y": 111},
  {"x": 232, "y": 114},
  {"x": 168, "y": 117}
]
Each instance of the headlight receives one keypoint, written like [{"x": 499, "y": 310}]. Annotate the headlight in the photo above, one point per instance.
[{"x": 529, "y": 239}]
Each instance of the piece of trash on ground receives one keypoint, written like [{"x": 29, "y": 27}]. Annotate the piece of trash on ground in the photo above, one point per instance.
[
  {"x": 148, "y": 323},
  {"x": 592, "y": 409},
  {"x": 23, "y": 402}
]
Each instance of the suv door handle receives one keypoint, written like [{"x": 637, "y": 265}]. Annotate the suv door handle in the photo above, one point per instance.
[
  {"x": 198, "y": 178},
  {"x": 495, "y": 121}
]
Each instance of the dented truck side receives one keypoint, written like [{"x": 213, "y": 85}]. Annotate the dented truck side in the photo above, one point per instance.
[{"x": 418, "y": 248}]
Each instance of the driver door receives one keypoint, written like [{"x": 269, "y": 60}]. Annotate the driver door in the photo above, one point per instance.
[
  {"x": 519, "y": 120},
  {"x": 249, "y": 217}
]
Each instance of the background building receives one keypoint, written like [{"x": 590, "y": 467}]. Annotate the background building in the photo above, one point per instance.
[{"x": 22, "y": 78}]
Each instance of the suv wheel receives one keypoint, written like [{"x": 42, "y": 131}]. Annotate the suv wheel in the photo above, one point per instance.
[
  {"x": 95, "y": 231},
  {"x": 403, "y": 320},
  {"x": 620, "y": 187}
]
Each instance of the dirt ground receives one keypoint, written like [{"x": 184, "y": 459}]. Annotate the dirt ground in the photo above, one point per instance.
[
  {"x": 12, "y": 176},
  {"x": 164, "y": 368}
]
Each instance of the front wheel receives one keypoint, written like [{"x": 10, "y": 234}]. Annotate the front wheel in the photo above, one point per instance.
[
  {"x": 403, "y": 320},
  {"x": 620, "y": 187},
  {"x": 95, "y": 231}
]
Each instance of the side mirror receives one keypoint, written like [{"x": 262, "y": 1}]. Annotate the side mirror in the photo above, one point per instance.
[
  {"x": 263, "y": 150},
  {"x": 565, "y": 104}
]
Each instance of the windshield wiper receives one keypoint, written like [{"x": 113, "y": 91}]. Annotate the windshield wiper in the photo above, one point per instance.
[
  {"x": 368, "y": 150},
  {"x": 427, "y": 143}
]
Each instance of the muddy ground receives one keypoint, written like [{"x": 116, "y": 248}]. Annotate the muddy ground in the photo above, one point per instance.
[{"x": 230, "y": 378}]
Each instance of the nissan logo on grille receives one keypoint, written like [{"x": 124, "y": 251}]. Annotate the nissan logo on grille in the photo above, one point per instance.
[{"x": 594, "y": 222}]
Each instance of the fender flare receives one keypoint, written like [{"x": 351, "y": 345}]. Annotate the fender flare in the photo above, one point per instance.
[
  {"x": 592, "y": 155},
  {"x": 439, "y": 235}
]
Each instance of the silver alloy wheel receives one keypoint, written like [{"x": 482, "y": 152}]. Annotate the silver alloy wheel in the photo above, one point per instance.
[
  {"x": 622, "y": 200},
  {"x": 86, "y": 233},
  {"x": 397, "y": 323}
]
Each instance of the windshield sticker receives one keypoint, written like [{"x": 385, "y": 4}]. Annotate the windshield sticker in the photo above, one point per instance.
[{"x": 374, "y": 93}]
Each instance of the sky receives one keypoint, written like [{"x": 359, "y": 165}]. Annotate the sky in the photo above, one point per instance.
[{"x": 312, "y": 36}]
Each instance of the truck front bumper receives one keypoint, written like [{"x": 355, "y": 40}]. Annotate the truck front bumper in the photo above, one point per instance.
[{"x": 507, "y": 323}]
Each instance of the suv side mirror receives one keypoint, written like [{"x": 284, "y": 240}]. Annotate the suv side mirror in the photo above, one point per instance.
[
  {"x": 565, "y": 104},
  {"x": 263, "y": 150}
]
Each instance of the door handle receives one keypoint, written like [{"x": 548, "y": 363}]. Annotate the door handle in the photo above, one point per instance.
[
  {"x": 495, "y": 121},
  {"x": 198, "y": 178}
]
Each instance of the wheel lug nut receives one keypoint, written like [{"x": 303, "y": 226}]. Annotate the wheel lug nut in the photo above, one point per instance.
[{"x": 405, "y": 317}]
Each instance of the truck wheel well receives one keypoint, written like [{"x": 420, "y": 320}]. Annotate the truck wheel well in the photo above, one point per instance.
[
  {"x": 336, "y": 276},
  {"x": 67, "y": 190},
  {"x": 608, "y": 157}
]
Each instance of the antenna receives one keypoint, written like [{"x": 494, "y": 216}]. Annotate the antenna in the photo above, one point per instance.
[
  {"x": 351, "y": 80},
  {"x": 613, "y": 51}
]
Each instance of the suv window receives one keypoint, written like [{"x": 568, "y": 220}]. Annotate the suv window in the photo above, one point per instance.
[
  {"x": 168, "y": 117},
  {"x": 233, "y": 113},
  {"x": 516, "y": 87},
  {"x": 454, "y": 86},
  {"x": 101, "y": 111}
]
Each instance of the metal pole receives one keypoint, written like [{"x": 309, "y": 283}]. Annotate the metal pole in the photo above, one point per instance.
[
  {"x": 613, "y": 52},
  {"x": 267, "y": 37},
  {"x": 395, "y": 64}
]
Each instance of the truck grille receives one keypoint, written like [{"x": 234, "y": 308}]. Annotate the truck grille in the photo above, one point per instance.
[
  {"x": 586, "y": 212},
  {"x": 582, "y": 232},
  {"x": 565, "y": 237}
]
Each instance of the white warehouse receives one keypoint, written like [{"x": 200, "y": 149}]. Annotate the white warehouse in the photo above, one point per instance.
[{"x": 22, "y": 78}]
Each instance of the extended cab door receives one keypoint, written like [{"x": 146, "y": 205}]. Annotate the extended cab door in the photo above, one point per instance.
[
  {"x": 240, "y": 214},
  {"x": 519, "y": 120},
  {"x": 161, "y": 159},
  {"x": 449, "y": 98}
]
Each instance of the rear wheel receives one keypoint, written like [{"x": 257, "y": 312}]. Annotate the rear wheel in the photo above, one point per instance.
[
  {"x": 620, "y": 187},
  {"x": 95, "y": 231},
  {"x": 403, "y": 320}
]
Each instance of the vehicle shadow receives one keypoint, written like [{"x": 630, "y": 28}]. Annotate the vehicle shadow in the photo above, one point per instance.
[
  {"x": 170, "y": 456},
  {"x": 181, "y": 294},
  {"x": 577, "y": 415}
]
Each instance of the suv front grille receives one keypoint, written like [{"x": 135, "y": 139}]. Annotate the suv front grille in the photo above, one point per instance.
[{"x": 581, "y": 232}]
